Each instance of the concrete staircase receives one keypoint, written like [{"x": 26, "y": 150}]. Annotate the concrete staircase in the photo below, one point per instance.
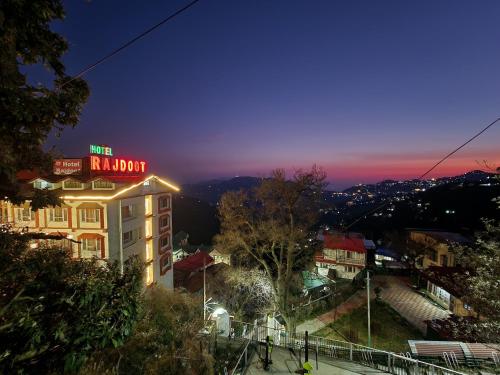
[
  {"x": 285, "y": 362},
  {"x": 352, "y": 367}
]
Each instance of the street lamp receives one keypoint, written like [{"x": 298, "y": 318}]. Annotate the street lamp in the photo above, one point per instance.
[{"x": 368, "y": 303}]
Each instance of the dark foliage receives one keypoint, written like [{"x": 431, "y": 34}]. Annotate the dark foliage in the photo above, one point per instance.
[
  {"x": 29, "y": 112},
  {"x": 166, "y": 340},
  {"x": 54, "y": 310}
]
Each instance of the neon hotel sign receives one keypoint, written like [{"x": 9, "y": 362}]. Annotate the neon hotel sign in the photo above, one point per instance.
[{"x": 102, "y": 160}]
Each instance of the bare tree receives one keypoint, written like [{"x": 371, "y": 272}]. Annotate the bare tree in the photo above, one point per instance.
[
  {"x": 271, "y": 226},
  {"x": 247, "y": 292}
]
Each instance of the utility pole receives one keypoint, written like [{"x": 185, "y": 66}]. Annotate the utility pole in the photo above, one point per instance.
[
  {"x": 368, "y": 303},
  {"x": 204, "y": 295}
]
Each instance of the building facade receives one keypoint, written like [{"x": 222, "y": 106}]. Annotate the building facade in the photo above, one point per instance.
[
  {"x": 437, "y": 245},
  {"x": 343, "y": 253},
  {"x": 108, "y": 217},
  {"x": 438, "y": 268},
  {"x": 220, "y": 257}
]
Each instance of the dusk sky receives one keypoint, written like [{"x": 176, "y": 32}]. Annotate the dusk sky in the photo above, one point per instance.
[{"x": 368, "y": 90}]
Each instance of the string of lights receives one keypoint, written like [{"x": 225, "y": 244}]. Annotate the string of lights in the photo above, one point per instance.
[
  {"x": 130, "y": 42},
  {"x": 366, "y": 214}
]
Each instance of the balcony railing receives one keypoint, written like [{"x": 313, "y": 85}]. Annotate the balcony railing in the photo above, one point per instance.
[{"x": 327, "y": 259}]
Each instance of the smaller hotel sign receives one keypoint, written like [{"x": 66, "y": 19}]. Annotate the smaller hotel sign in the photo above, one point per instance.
[{"x": 67, "y": 166}]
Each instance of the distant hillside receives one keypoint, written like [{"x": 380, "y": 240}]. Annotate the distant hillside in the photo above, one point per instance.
[
  {"x": 452, "y": 203},
  {"x": 195, "y": 217},
  {"x": 456, "y": 207},
  {"x": 469, "y": 177},
  {"x": 391, "y": 187},
  {"x": 211, "y": 191}
]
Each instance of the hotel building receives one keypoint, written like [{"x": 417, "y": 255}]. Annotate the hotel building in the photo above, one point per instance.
[{"x": 111, "y": 217}]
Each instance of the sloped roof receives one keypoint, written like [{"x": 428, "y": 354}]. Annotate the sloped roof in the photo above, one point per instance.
[
  {"x": 440, "y": 236},
  {"x": 463, "y": 350},
  {"x": 344, "y": 243},
  {"x": 194, "y": 283},
  {"x": 369, "y": 244},
  {"x": 26, "y": 175},
  {"x": 387, "y": 252},
  {"x": 194, "y": 262},
  {"x": 312, "y": 280}
]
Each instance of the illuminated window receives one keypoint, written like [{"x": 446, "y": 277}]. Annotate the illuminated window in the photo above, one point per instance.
[
  {"x": 440, "y": 293},
  {"x": 60, "y": 244},
  {"x": 58, "y": 214},
  {"x": 102, "y": 184},
  {"x": 148, "y": 204},
  {"x": 72, "y": 184},
  {"x": 149, "y": 251},
  {"x": 129, "y": 211},
  {"x": 149, "y": 227},
  {"x": 91, "y": 247},
  {"x": 132, "y": 236},
  {"x": 90, "y": 215},
  {"x": 4, "y": 217},
  {"x": 149, "y": 274},
  {"x": 24, "y": 214},
  {"x": 41, "y": 184}
]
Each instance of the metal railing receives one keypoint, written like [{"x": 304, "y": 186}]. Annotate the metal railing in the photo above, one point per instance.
[
  {"x": 451, "y": 359},
  {"x": 495, "y": 358},
  {"x": 243, "y": 359},
  {"x": 341, "y": 350}
]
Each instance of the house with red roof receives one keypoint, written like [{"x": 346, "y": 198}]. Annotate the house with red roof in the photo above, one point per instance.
[
  {"x": 343, "y": 252},
  {"x": 190, "y": 266}
]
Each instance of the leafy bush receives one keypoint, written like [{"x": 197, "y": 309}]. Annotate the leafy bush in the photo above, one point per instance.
[
  {"x": 166, "y": 340},
  {"x": 55, "y": 311}
]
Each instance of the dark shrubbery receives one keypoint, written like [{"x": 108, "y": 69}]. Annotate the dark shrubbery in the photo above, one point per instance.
[{"x": 55, "y": 311}]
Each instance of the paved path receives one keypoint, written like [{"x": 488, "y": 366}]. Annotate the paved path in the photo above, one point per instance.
[
  {"x": 411, "y": 305},
  {"x": 358, "y": 299},
  {"x": 395, "y": 291},
  {"x": 285, "y": 363}
]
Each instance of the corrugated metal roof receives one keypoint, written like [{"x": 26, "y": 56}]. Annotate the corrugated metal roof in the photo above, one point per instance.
[
  {"x": 344, "y": 243},
  {"x": 462, "y": 350}
]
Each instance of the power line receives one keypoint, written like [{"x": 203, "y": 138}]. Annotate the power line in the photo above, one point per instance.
[
  {"x": 459, "y": 148},
  {"x": 130, "y": 42},
  {"x": 429, "y": 170}
]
